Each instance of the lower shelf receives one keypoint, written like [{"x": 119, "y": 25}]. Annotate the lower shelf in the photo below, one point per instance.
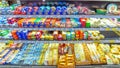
[
  {"x": 82, "y": 41},
  {"x": 90, "y": 66}
]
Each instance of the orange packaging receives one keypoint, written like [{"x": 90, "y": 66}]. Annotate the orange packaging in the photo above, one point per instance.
[
  {"x": 29, "y": 36},
  {"x": 57, "y": 23},
  {"x": 14, "y": 35},
  {"x": 53, "y": 21},
  {"x": 81, "y": 35},
  {"x": 47, "y": 22},
  {"x": 77, "y": 33},
  {"x": 20, "y": 22}
]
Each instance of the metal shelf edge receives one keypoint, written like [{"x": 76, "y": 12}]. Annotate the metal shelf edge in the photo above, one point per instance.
[
  {"x": 65, "y": 29},
  {"x": 87, "y": 66},
  {"x": 81, "y": 41},
  {"x": 64, "y": 16}
]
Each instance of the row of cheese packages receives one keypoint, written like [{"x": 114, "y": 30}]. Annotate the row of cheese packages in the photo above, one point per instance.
[{"x": 95, "y": 53}]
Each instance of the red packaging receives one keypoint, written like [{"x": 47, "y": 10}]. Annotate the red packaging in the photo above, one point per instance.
[
  {"x": 60, "y": 38},
  {"x": 83, "y": 22},
  {"x": 62, "y": 49},
  {"x": 18, "y": 10}
]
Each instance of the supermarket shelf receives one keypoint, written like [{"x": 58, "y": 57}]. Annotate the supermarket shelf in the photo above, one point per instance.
[
  {"x": 64, "y": 16},
  {"x": 99, "y": 66},
  {"x": 27, "y": 66},
  {"x": 75, "y": 0},
  {"x": 65, "y": 29},
  {"x": 81, "y": 41},
  {"x": 89, "y": 66}
]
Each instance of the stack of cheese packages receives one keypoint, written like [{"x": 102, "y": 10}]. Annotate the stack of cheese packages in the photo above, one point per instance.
[
  {"x": 82, "y": 55},
  {"x": 93, "y": 53},
  {"x": 112, "y": 53},
  {"x": 3, "y": 46},
  {"x": 104, "y": 22},
  {"x": 66, "y": 57},
  {"x": 96, "y": 35},
  {"x": 49, "y": 54}
]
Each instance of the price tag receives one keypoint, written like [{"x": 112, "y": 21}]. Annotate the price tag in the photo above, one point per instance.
[
  {"x": 10, "y": 41},
  {"x": 96, "y": 41},
  {"x": 112, "y": 41},
  {"x": 107, "y": 29},
  {"x": 114, "y": 29}
]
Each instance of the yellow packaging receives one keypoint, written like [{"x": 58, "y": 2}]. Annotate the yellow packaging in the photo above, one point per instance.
[
  {"x": 50, "y": 58},
  {"x": 114, "y": 50},
  {"x": 114, "y": 59},
  {"x": 55, "y": 57},
  {"x": 64, "y": 35}
]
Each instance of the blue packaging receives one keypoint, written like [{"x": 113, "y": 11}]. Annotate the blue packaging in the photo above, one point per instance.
[
  {"x": 35, "y": 12},
  {"x": 8, "y": 10},
  {"x": 19, "y": 34},
  {"x": 41, "y": 10},
  {"x": 58, "y": 10},
  {"x": 48, "y": 10},
  {"x": 78, "y": 22},
  {"x": 63, "y": 22},
  {"x": 25, "y": 24},
  {"x": 25, "y": 32},
  {"x": 64, "y": 10},
  {"x": 30, "y": 11},
  {"x": 27, "y": 10},
  {"x": 23, "y": 10}
]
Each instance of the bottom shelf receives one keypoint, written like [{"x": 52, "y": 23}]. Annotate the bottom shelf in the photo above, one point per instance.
[
  {"x": 59, "y": 55},
  {"x": 89, "y": 66},
  {"x": 20, "y": 66}
]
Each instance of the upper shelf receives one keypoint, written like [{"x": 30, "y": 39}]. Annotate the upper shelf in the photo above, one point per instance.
[
  {"x": 63, "y": 16},
  {"x": 74, "y": 0},
  {"x": 65, "y": 29}
]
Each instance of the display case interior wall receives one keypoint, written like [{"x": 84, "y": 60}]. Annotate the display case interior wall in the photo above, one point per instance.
[
  {"x": 10, "y": 2},
  {"x": 89, "y": 4},
  {"x": 95, "y": 6}
]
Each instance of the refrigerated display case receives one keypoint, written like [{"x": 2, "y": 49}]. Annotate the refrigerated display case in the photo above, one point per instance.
[{"x": 60, "y": 33}]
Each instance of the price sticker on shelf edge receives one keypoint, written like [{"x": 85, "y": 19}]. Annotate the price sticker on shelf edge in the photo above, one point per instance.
[
  {"x": 96, "y": 41},
  {"x": 114, "y": 29},
  {"x": 112, "y": 41},
  {"x": 107, "y": 29}
]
